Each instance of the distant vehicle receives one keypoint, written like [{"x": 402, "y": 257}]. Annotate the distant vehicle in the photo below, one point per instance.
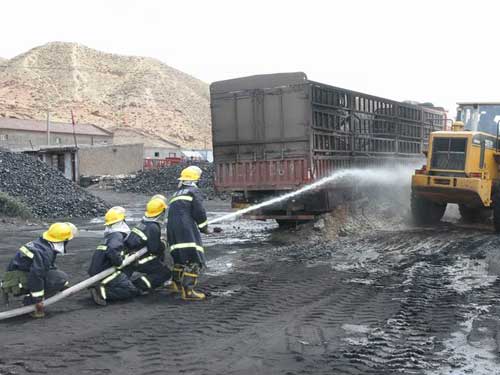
[
  {"x": 274, "y": 133},
  {"x": 462, "y": 167}
]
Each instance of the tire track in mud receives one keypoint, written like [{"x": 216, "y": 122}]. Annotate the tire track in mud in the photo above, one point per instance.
[
  {"x": 387, "y": 314},
  {"x": 210, "y": 327}
]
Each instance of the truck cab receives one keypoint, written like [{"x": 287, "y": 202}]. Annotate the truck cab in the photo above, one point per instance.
[{"x": 461, "y": 168}]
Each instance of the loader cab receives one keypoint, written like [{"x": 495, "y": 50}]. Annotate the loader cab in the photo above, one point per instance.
[{"x": 482, "y": 117}]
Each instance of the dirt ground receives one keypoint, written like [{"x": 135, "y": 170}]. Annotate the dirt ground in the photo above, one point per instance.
[{"x": 400, "y": 300}]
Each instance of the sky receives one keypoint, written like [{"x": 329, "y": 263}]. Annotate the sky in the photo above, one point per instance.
[{"x": 438, "y": 51}]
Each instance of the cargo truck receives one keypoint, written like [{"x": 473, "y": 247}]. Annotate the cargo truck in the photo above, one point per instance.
[{"x": 277, "y": 132}]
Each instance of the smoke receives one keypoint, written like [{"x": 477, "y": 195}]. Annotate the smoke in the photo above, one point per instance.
[{"x": 386, "y": 179}]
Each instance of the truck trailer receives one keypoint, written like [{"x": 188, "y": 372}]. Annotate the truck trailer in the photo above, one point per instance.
[{"x": 277, "y": 132}]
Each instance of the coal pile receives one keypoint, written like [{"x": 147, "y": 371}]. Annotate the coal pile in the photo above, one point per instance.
[
  {"x": 164, "y": 180},
  {"x": 44, "y": 190}
]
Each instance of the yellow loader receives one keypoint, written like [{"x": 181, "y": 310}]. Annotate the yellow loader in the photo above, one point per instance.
[{"x": 462, "y": 167}]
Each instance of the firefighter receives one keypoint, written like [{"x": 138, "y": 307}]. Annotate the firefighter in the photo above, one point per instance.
[
  {"x": 148, "y": 233},
  {"x": 186, "y": 218},
  {"x": 110, "y": 253},
  {"x": 33, "y": 272}
]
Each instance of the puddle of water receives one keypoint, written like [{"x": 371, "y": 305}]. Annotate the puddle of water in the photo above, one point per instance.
[
  {"x": 360, "y": 334},
  {"x": 219, "y": 266},
  {"x": 465, "y": 357},
  {"x": 361, "y": 281},
  {"x": 357, "y": 328},
  {"x": 225, "y": 293},
  {"x": 468, "y": 274}
]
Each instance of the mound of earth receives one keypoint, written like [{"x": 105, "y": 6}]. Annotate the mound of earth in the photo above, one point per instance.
[
  {"x": 164, "y": 180},
  {"x": 44, "y": 190}
]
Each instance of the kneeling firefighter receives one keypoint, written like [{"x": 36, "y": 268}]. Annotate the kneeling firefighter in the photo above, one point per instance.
[
  {"x": 110, "y": 253},
  {"x": 148, "y": 233},
  {"x": 32, "y": 271},
  {"x": 186, "y": 218}
]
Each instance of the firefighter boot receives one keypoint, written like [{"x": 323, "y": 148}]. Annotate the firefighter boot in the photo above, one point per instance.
[
  {"x": 177, "y": 276},
  {"x": 192, "y": 295},
  {"x": 39, "y": 311},
  {"x": 174, "y": 287},
  {"x": 97, "y": 297},
  {"x": 189, "y": 281}
]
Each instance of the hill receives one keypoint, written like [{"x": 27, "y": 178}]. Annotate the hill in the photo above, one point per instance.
[{"x": 107, "y": 90}]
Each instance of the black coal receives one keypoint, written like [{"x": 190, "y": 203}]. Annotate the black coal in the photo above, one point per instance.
[
  {"x": 164, "y": 180},
  {"x": 44, "y": 189}
]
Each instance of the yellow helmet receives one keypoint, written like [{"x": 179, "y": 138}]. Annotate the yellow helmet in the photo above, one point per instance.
[
  {"x": 155, "y": 207},
  {"x": 114, "y": 215},
  {"x": 59, "y": 232},
  {"x": 191, "y": 173}
]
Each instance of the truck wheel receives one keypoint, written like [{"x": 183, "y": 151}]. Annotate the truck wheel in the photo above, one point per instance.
[
  {"x": 426, "y": 212},
  {"x": 473, "y": 214},
  {"x": 496, "y": 211}
]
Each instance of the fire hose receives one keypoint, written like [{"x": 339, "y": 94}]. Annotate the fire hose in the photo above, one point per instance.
[
  {"x": 74, "y": 289},
  {"x": 83, "y": 284},
  {"x": 96, "y": 278}
]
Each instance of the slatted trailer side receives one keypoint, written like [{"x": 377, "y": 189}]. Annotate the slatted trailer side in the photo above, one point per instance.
[{"x": 273, "y": 133}]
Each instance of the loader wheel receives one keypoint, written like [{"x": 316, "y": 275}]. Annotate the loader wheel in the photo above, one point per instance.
[
  {"x": 426, "y": 212},
  {"x": 473, "y": 215},
  {"x": 496, "y": 212}
]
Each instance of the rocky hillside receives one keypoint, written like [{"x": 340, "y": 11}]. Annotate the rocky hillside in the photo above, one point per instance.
[{"x": 107, "y": 90}]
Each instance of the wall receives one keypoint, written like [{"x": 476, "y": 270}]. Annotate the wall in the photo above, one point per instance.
[
  {"x": 110, "y": 160},
  {"x": 21, "y": 139},
  {"x": 52, "y": 159},
  {"x": 149, "y": 152}
]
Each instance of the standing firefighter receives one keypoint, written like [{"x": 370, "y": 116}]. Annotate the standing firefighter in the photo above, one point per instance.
[
  {"x": 186, "y": 218},
  {"x": 110, "y": 253},
  {"x": 33, "y": 272},
  {"x": 148, "y": 233}
]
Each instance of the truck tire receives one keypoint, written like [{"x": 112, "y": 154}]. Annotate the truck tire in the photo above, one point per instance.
[
  {"x": 426, "y": 212},
  {"x": 496, "y": 211},
  {"x": 474, "y": 214}
]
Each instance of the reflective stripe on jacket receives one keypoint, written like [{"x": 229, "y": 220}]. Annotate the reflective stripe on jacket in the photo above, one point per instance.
[
  {"x": 185, "y": 215},
  {"x": 37, "y": 258},
  {"x": 108, "y": 253},
  {"x": 146, "y": 233}
]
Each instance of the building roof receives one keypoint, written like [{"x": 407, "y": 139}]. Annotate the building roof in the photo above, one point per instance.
[
  {"x": 49, "y": 149},
  {"x": 55, "y": 127}
]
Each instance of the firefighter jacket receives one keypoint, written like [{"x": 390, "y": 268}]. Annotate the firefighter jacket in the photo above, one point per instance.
[
  {"x": 109, "y": 253},
  {"x": 36, "y": 258},
  {"x": 146, "y": 233},
  {"x": 186, "y": 217}
]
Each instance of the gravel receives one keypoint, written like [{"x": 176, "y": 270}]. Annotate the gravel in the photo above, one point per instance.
[
  {"x": 44, "y": 190},
  {"x": 164, "y": 180}
]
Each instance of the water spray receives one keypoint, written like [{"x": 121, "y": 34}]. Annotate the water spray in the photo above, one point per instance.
[{"x": 378, "y": 176}]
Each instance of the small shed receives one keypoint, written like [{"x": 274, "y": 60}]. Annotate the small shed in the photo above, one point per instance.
[{"x": 64, "y": 158}]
